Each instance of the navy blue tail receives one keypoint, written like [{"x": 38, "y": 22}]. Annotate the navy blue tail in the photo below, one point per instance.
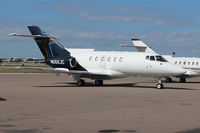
[
  {"x": 48, "y": 46},
  {"x": 55, "y": 54}
]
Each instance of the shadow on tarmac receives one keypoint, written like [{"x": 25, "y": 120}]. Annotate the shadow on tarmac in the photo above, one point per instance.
[
  {"x": 2, "y": 99},
  {"x": 88, "y": 84},
  {"x": 91, "y": 85},
  {"x": 196, "y": 130}
]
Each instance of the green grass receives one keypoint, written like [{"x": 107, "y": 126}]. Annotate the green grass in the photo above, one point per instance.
[
  {"x": 7, "y": 67},
  {"x": 22, "y": 71}
]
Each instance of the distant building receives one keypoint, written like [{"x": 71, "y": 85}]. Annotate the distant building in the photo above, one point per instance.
[{"x": 24, "y": 60}]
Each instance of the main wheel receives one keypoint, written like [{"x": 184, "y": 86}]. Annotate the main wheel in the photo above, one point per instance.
[
  {"x": 182, "y": 80},
  {"x": 168, "y": 80},
  {"x": 159, "y": 86},
  {"x": 80, "y": 82},
  {"x": 98, "y": 82}
]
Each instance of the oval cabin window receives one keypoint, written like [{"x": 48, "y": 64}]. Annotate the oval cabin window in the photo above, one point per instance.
[
  {"x": 109, "y": 59},
  {"x": 120, "y": 59},
  {"x": 96, "y": 59},
  {"x": 115, "y": 59},
  {"x": 90, "y": 59}
]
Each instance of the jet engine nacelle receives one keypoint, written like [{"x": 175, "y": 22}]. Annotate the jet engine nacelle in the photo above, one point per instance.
[{"x": 72, "y": 62}]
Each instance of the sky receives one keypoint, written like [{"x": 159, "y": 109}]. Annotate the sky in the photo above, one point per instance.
[{"x": 165, "y": 25}]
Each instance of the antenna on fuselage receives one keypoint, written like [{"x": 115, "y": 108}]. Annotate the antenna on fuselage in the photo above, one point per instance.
[{"x": 173, "y": 54}]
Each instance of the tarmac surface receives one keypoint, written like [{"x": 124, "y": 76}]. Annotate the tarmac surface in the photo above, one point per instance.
[{"x": 45, "y": 103}]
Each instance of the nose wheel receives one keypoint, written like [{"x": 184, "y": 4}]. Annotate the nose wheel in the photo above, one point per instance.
[
  {"x": 80, "y": 82},
  {"x": 159, "y": 85}
]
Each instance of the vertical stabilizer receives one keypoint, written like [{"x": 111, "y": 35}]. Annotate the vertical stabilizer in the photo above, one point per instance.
[
  {"x": 47, "y": 44},
  {"x": 141, "y": 46}
]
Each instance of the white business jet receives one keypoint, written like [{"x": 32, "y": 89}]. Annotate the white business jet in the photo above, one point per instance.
[
  {"x": 190, "y": 64},
  {"x": 99, "y": 65}
]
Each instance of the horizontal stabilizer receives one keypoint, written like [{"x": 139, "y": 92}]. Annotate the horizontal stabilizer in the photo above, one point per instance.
[
  {"x": 31, "y": 36},
  {"x": 124, "y": 45}
]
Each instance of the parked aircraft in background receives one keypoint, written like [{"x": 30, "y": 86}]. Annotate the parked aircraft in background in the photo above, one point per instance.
[
  {"x": 190, "y": 64},
  {"x": 100, "y": 65}
]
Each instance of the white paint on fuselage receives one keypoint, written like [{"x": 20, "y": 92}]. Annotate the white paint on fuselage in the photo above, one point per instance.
[
  {"x": 119, "y": 64},
  {"x": 191, "y": 64}
]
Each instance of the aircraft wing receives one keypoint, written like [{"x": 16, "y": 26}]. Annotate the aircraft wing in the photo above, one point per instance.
[
  {"x": 62, "y": 70},
  {"x": 58, "y": 70}
]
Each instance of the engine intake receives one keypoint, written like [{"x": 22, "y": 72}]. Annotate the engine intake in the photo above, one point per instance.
[{"x": 72, "y": 62}]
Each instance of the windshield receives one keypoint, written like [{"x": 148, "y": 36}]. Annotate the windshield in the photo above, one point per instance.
[
  {"x": 152, "y": 58},
  {"x": 160, "y": 58}
]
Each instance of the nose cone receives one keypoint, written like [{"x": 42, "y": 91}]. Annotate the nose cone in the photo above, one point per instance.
[{"x": 176, "y": 70}]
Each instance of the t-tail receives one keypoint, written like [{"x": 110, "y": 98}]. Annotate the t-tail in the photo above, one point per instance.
[{"x": 54, "y": 53}]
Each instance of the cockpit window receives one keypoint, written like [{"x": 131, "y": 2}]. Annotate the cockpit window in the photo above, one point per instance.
[
  {"x": 147, "y": 57},
  {"x": 152, "y": 58},
  {"x": 160, "y": 58}
]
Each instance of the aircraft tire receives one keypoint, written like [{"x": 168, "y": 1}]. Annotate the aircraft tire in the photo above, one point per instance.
[
  {"x": 182, "y": 80},
  {"x": 159, "y": 86},
  {"x": 98, "y": 82},
  {"x": 168, "y": 80},
  {"x": 80, "y": 82}
]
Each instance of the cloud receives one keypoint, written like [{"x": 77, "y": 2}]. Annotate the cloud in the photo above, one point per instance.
[
  {"x": 163, "y": 42},
  {"x": 9, "y": 25},
  {"x": 106, "y": 12},
  {"x": 183, "y": 43}
]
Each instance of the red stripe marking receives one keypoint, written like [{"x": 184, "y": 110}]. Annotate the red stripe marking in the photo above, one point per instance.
[
  {"x": 135, "y": 39},
  {"x": 191, "y": 68}
]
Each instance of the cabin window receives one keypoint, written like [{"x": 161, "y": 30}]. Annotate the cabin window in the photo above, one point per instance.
[
  {"x": 120, "y": 59},
  {"x": 147, "y": 57},
  {"x": 152, "y": 58},
  {"x": 96, "y": 58},
  {"x": 114, "y": 59},
  {"x": 192, "y": 63},
  {"x": 90, "y": 59},
  {"x": 109, "y": 59},
  {"x": 184, "y": 63},
  {"x": 175, "y": 62},
  {"x": 197, "y": 63},
  {"x": 179, "y": 62},
  {"x": 102, "y": 58},
  {"x": 188, "y": 63}
]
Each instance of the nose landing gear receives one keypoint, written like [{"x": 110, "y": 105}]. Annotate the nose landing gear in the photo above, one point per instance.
[{"x": 159, "y": 85}]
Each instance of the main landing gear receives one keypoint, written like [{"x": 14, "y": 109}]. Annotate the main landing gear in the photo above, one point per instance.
[
  {"x": 182, "y": 80},
  {"x": 168, "y": 80},
  {"x": 159, "y": 85},
  {"x": 81, "y": 82},
  {"x": 98, "y": 82}
]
